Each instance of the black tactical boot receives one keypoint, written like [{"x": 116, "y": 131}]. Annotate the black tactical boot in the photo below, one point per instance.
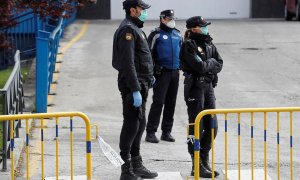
[
  {"x": 204, "y": 173},
  {"x": 127, "y": 173},
  {"x": 166, "y": 136},
  {"x": 150, "y": 137},
  {"x": 205, "y": 161},
  {"x": 140, "y": 170}
]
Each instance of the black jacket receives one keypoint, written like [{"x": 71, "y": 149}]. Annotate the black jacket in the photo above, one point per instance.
[
  {"x": 190, "y": 63},
  {"x": 131, "y": 55}
]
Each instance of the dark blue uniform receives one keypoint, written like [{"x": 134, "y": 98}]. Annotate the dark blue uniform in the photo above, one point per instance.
[
  {"x": 132, "y": 58},
  {"x": 165, "y": 46}
]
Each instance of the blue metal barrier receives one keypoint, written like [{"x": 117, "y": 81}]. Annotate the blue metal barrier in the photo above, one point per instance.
[
  {"x": 22, "y": 37},
  {"x": 47, "y": 49}
]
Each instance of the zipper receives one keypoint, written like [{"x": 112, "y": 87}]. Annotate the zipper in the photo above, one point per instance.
[{"x": 172, "y": 49}]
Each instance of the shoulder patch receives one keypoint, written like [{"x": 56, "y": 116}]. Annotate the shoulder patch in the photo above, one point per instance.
[{"x": 128, "y": 36}]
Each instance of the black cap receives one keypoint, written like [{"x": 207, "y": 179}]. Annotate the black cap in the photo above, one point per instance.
[
  {"x": 167, "y": 13},
  {"x": 134, "y": 3},
  {"x": 196, "y": 21}
]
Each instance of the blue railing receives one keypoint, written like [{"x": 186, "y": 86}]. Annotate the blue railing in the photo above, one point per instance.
[
  {"x": 47, "y": 49},
  {"x": 22, "y": 37},
  {"x": 37, "y": 37}
]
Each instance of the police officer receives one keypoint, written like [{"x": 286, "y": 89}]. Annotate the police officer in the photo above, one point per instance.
[
  {"x": 165, "y": 42},
  {"x": 200, "y": 62},
  {"x": 132, "y": 58}
]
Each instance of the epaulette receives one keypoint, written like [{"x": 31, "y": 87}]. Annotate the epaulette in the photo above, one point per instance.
[{"x": 155, "y": 30}]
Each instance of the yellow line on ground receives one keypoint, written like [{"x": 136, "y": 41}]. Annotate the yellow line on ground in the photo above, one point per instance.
[{"x": 35, "y": 159}]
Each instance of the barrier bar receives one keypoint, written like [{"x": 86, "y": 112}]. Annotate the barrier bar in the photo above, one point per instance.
[
  {"x": 265, "y": 144},
  {"x": 56, "y": 146},
  {"x": 27, "y": 149},
  {"x": 12, "y": 144},
  {"x": 226, "y": 149},
  {"x": 42, "y": 148},
  {"x": 212, "y": 144},
  {"x": 239, "y": 146},
  {"x": 252, "y": 146},
  {"x": 71, "y": 147},
  {"x": 291, "y": 144},
  {"x": 278, "y": 146}
]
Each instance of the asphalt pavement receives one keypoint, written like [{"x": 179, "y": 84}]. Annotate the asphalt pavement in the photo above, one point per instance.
[{"x": 261, "y": 69}]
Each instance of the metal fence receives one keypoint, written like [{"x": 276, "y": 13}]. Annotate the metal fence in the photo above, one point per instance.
[
  {"x": 47, "y": 50},
  {"x": 57, "y": 117},
  {"x": 21, "y": 37},
  {"x": 291, "y": 113},
  {"x": 13, "y": 103}
]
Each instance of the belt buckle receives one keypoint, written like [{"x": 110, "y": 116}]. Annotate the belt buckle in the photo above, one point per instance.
[{"x": 201, "y": 78}]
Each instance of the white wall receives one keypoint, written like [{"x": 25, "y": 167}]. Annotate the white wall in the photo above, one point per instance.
[{"x": 210, "y": 9}]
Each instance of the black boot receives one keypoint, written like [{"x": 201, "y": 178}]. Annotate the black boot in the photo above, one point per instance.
[
  {"x": 205, "y": 161},
  {"x": 127, "y": 173},
  {"x": 150, "y": 137},
  {"x": 204, "y": 173},
  {"x": 166, "y": 136},
  {"x": 140, "y": 170}
]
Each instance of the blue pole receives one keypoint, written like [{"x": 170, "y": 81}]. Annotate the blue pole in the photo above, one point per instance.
[{"x": 42, "y": 62}]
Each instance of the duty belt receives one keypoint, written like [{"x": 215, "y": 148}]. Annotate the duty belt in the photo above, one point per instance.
[{"x": 202, "y": 78}]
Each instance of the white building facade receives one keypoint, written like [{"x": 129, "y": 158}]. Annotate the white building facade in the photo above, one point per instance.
[{"x": 210, "y": 9}]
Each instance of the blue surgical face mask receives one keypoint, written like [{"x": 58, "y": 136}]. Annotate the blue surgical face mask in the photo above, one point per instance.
[
  {"x": 204, "y": 30},
  {"x": 143, "y": 15}
]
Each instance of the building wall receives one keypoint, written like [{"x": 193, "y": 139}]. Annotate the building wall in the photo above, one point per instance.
[{"x": 212, "y": 9}]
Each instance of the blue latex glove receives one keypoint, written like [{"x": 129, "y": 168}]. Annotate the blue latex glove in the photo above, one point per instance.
[{"x": 137, "y": 99}]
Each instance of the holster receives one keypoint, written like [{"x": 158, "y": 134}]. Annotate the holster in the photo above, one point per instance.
[
  {"x": 158, "y": 70},
  {"x": 189, "y": 81}
]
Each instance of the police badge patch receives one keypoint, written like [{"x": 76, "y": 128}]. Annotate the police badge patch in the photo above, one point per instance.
[{"x": 128, "y": 36}]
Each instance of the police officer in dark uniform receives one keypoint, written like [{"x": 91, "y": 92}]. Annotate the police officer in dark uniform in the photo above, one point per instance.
[
  {"x": 132, "y": 58},
  {"x": 165, "y": 42},
  {"x": 200, "y": 62}
]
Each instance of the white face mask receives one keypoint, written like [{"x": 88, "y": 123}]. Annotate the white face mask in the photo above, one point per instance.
[{"x": 171, "y": 24}]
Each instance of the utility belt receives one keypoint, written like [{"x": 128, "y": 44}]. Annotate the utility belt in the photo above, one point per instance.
[
  {"x": 196, "y": 81},
  {"x": 203, "y": 78}
]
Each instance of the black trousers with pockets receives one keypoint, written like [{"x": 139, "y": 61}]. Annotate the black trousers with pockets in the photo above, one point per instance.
[
  {"x": 199, "y": 98},
  {"x": 164, "y": 96},
  {"x": 133, "y": 124}
]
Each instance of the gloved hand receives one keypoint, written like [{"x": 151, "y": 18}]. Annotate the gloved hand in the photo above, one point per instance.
[
  {"x": 153, "y": 81},
  {"x": 137, "y": 99}
]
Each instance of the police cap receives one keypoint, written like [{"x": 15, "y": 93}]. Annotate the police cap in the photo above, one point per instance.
[
  {"x": 134, "y": 3},
  {"x": 196, "y": 21},
  {"x": 167, "y": 13}
]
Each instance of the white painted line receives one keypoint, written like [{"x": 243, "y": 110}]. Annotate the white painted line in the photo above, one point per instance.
[
  {"x": 168, "y": 176},
  {"x": 246, "y": 174}
]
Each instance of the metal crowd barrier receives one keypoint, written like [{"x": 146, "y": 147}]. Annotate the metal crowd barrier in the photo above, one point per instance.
[
  {"x": 13, "y": 103},
  {"x": 57, "y": 117},
  {"x": 291, "y": 111}
]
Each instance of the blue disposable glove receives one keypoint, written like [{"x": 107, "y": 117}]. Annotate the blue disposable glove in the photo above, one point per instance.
[{"x": 137, "y": 99}]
